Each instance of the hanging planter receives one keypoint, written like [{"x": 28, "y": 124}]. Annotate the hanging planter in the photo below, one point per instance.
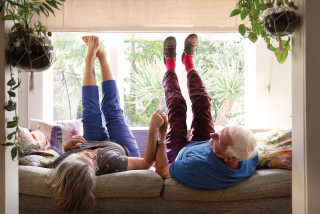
[
  {"x": 270, "y": 20},
  {"x": 280, "y": 21},
  {"x": 30, "y": 52}
]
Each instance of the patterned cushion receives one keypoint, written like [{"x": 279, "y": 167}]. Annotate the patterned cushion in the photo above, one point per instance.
[
  {"x": 36, "y": 149},
  {"x": 275, "y": 149},
  {"x": 39, "y": 158},
  {"x": 59, "y": 132},
  {"x": 35, "y": 140}
]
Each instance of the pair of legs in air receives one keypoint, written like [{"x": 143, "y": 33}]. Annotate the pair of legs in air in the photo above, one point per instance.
[
  {"x": 93, "y": 128},
  {"x": 202, "y": 123},
  {"x": 117, "y": 128}
]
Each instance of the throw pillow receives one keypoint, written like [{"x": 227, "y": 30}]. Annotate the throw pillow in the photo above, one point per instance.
[
  {"x": 35, "y": 140},
  {"x": 275, "y": 149},
  {"x": 39, "y": 158},
  {"x": 59, "y": 132}
]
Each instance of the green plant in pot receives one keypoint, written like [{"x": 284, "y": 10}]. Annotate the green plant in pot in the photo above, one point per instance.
[
  {"x": 271, "y": 20},
  {"x": 29, "y": 48}
]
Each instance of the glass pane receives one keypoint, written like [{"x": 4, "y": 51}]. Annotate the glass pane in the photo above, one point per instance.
[{"x": 219, "y": 61}]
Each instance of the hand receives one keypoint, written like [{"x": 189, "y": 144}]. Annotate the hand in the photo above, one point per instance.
[
  {"x": 72, "y": 143},
  {"x": 156, "y": 120},
  {"x": 163, "y": 129}
]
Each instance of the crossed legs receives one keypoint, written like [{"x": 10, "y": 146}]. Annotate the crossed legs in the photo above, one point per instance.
[{"x": 202, "y": 123}]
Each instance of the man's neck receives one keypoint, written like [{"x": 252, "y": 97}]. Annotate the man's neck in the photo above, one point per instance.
[{"x": 233, "y": 165}]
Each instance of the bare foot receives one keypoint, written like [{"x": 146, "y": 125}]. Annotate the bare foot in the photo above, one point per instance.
[
  {"x": 101, "y": 52},
  {"x": 93, "y": 45}
]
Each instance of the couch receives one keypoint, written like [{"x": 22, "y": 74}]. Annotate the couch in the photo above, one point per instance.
[{"x": 144, "y": 191}]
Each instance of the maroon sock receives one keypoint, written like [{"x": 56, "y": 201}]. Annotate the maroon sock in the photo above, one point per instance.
[
  {"x": 170, "y": 64},
  {"x": 188, "y": 62}
]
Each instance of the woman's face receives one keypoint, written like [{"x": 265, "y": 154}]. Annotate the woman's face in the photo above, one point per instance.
[{"x": 89, "y": 158}]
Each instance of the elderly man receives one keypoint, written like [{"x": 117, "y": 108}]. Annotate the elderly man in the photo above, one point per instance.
[{"x": 209, "y": 160}]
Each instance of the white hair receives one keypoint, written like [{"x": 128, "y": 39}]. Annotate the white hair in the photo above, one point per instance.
[{"x": 244, "y": 143}]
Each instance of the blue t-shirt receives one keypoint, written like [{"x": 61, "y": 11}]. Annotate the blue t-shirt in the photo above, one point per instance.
[{"x": 197, "y": 167}]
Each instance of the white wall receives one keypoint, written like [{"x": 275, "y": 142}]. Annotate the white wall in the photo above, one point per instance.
[
  {"x": 267, "y": 109},
  {"x": 9, "y": 193},
  {"x": 306, "y": 105}
]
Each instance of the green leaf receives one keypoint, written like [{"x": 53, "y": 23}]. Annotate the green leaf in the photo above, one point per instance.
[
  {"x": 52, "y": 4},
  {"x": 9, "y": 137},
  {"x": 11, "y": 94},
  {"x": 7, "y": 144},
  {"x": 16, "y": 86},
  {"x": 11, "y": 82},
  {"x": 254, "y": 13},
  {"x": 48, "y": 8},
  {"x": 281, "y": 57},
  {"x": 14, "y": 152},
  {"x": 243, "y": 14},
  {"x": 253, "y": 37},
  {"x": 242, "y": 29},
  {"x": 271, "y": 47},
  {"x": 16, "y": 118},
  {"x": 10, "y": 106},
  {"x": 235, "y": 12},
  {"x": 12, "y": 124},
  {"x": 8, "y": 17},
  {"x": 44, "y": 11},
  {"x": 262, "y": 7}
]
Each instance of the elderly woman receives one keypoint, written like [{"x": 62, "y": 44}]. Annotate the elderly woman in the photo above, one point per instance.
[{"x": 101, "y": 150}]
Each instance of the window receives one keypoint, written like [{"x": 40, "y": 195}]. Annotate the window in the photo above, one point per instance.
[{"x": 137, "y": 64}]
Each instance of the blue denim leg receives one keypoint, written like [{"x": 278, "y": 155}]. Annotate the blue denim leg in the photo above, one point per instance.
[
  {"x": 115, "y": 122},
  {"x": 93, "y": 128}
]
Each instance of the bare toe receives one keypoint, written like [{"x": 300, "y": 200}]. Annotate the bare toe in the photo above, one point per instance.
[{"x": 85, "y": 39}]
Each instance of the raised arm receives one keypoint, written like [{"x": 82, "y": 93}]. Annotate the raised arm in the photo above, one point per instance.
[
  {"x": 162, "y": 165},
  {"x": 150, "y": 154}
]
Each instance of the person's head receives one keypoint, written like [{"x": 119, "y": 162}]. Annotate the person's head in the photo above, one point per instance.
[
  {"x": 72, "y": 183},
  {"x": 234, "y": 143}
]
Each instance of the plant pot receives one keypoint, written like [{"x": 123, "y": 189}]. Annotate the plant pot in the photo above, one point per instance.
[
  {"x": 30, "y": 52},
  {"x": 280, "y": 21}
]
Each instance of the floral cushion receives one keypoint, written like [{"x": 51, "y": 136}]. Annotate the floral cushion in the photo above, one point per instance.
[
  {"x": 39, "y": 158},
  {"x": 35, "y": 140},
  {"x": 275, "y": 149},
  {"x": 59, "y": 132},
  {"x": 36, "y": 149}
]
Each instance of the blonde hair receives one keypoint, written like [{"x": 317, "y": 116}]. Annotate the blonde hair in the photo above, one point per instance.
[
  {"x": 72, "y": 184},
  {"x": 244, "y": 143}
]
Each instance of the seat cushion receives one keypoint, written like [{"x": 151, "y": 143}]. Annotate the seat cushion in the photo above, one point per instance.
[
  {"x": 264, "y": 183},
  {"x": 135, "y": 183}
]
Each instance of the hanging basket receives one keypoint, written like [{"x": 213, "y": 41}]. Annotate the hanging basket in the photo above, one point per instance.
[
  {"x": 30, "y": 52},
  {"x": 280, "y": 21}
]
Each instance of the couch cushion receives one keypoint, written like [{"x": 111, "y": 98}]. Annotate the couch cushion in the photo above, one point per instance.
[
  {"x": 264, "y": 183},
  {"x": 135, "y": 183}
]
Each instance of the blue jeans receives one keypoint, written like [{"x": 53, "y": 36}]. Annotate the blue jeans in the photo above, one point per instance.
[{"x": 116, "y": 127}]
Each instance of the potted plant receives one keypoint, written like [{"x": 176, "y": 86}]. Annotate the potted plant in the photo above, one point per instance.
[
  {"x": 29, "y": 48},
  {"x": 270, "y": 20}
]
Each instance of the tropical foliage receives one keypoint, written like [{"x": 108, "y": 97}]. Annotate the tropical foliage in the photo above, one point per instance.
[
  {"x": 220, "y": 64},
  {"x": 221, "y": 68}
]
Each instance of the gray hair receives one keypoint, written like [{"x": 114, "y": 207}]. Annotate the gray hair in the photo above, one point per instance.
[
  {"x": 72, "y": 184},
  {"x": 244, "y": 143}
]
